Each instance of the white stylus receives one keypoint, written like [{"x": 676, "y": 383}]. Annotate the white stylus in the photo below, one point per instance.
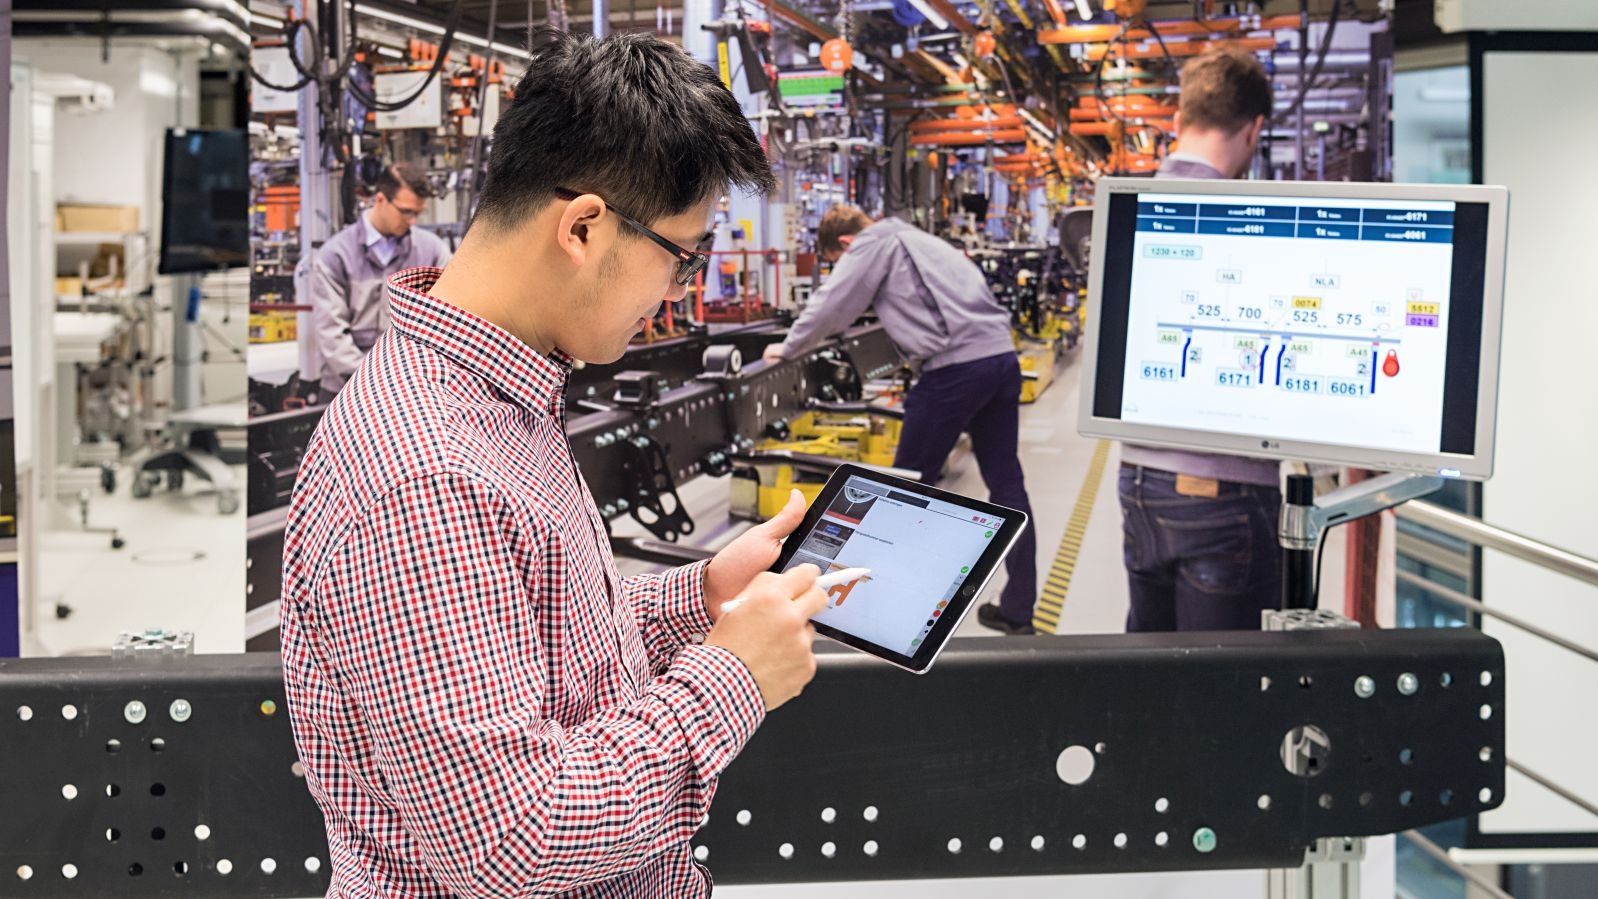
[{"x": 825, "y": 582}]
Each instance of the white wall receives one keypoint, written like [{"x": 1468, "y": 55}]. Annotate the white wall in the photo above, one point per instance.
[
  {"x": 1522, "y": 15},
  {"x": 1544, "y": 485},
  {"x": 115, "y": 156}
]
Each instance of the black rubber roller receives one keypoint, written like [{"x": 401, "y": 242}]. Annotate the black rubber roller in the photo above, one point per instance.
[{"x": 723, "y": 359}]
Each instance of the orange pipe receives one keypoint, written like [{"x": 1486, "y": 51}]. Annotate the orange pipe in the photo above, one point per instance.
[
  {"x": 1092, "y": 102},
  {"x": 1056, "y": 12},
  {"x": 1093, "y": 34},
  {"x": 972, "y": 112},
  {"x": 1106, "y": 128},
  {"x": 966, "y": 124},
  {"x": 966, "y": 138},
  {"x": 1136, "y": 112},
  {"x": 1132, "y": 165},
  {"x": 1178, "y": 48}
]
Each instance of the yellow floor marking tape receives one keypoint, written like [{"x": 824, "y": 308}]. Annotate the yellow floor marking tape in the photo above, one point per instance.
[{"x": 1046, "y": 614}]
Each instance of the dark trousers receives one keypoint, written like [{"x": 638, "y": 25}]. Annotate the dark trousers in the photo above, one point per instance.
[
  {"x": 982, "y": 398},
  {"x": 1199, "y": 563}
]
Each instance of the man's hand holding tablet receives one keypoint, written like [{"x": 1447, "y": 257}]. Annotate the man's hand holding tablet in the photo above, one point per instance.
[
  {"x": 928, "y": 553},
  {"x": 771, "y": 634}
]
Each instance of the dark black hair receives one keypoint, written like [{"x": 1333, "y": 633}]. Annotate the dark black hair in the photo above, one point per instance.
[
  {"x": 631, "y": 118},
  {"x": 407, "y": 174}
]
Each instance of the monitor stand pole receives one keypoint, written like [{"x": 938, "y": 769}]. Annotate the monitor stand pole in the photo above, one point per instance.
[{"x": 1305, "y": 518}]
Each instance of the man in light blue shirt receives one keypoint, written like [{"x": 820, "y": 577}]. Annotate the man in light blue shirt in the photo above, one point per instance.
[{"x": 349, "y": 276}]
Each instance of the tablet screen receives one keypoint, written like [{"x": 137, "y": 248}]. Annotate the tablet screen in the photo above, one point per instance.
[{"x": 872, "y": 525}]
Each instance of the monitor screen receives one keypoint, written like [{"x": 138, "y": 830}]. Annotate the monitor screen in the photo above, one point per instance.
[
  {"x": 204, "y": 201},
  {"x": 1350, "y": 324},
  {"x": 810, "y": 87}
]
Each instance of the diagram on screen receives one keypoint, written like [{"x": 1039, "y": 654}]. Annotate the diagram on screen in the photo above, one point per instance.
[
  {"x": 1320, "y": 344},
  {"x": 1238, "y": 324}
]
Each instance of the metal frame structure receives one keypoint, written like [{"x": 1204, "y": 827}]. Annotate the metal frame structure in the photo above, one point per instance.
[
  {"x": 667, "y": 413},
  {"x": 1482, "y": 535}
]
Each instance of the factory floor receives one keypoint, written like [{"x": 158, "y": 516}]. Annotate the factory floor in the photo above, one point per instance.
[{"x": 181, "y": 568}]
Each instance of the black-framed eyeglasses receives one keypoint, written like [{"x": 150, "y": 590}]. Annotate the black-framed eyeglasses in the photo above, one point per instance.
[{"x": 689, "y": 262}]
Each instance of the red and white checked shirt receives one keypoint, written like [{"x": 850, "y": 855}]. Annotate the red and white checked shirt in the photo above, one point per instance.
[{"x": 483, "y": 706}]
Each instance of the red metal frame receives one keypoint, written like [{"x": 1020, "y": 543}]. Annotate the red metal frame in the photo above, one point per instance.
[{"x": 749, "y": 306}]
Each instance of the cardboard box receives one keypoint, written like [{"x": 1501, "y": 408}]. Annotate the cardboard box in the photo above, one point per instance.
[{"x": 81, "y": 217}]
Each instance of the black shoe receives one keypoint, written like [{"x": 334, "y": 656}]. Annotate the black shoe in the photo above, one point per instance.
[{"x": 988, "y": 616}]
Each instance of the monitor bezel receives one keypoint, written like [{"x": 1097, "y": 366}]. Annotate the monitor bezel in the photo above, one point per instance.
[{"x": 1475, "y": 466}]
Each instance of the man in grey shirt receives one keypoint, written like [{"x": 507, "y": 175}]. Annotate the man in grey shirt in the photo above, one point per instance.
[
  {"x": 937, "y": 309},
  {"x": 1200, "y": 528},
  {"x": 349, "y": 278}
]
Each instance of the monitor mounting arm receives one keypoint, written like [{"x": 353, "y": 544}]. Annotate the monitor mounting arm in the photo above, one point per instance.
[{"x": 1305, "y": 517}]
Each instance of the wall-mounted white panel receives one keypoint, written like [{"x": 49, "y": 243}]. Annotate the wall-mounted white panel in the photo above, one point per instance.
[{"x": 1545, "y": 485}]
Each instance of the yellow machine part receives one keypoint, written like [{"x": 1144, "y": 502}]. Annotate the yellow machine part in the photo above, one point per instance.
[
  {"x": 870, "y": 439},
  {"x": 874, "y": 442},
  {"x": 775, "y": 495},
  {"x": 1037, "y": 358},
  {"x": 272, "y": 327}
]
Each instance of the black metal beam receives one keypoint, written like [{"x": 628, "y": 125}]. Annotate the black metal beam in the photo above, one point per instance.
[{"x": 1183, "y": 735}]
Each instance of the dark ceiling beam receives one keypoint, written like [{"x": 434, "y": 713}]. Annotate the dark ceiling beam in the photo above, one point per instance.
[{"x": 227, "y": 24}]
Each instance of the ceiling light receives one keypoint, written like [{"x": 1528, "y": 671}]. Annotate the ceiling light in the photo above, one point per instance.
[
  {"x": 429, "y": 27},
  {"x": 925, "y": 8},
  {"x": 1042, "y": 129}
]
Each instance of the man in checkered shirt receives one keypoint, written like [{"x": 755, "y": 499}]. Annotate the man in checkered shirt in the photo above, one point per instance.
[{"x": 483, "y": 705}]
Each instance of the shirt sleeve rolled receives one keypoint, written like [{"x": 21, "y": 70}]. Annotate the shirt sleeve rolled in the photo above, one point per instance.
[{"x": 670, "y": 608}]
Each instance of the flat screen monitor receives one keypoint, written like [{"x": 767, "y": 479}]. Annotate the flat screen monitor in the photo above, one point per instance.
[
  {"x": 1346, "y": 323},
  {"x": 204, "y": 201}
]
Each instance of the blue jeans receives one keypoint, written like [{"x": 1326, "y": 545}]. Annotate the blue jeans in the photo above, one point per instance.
[
  {"x": 1199, "y": 563},
  {"x": 982, "y": 398}
]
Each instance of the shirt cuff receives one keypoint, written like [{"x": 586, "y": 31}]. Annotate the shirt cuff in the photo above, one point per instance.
[
  {"x": 717, "y": 702},
  {"x": 682, "y": 602}
]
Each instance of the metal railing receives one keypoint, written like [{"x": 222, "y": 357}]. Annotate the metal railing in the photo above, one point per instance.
[
  {"x": 1473, "y": 530},
  {"x": 1551, "y": 558}
]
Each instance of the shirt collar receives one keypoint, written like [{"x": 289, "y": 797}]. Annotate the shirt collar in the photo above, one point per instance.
[
  {"x": 529, "y": 378},
  {"x": 1195, "y": 159},
  {"x": 373, "y": 236}
]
